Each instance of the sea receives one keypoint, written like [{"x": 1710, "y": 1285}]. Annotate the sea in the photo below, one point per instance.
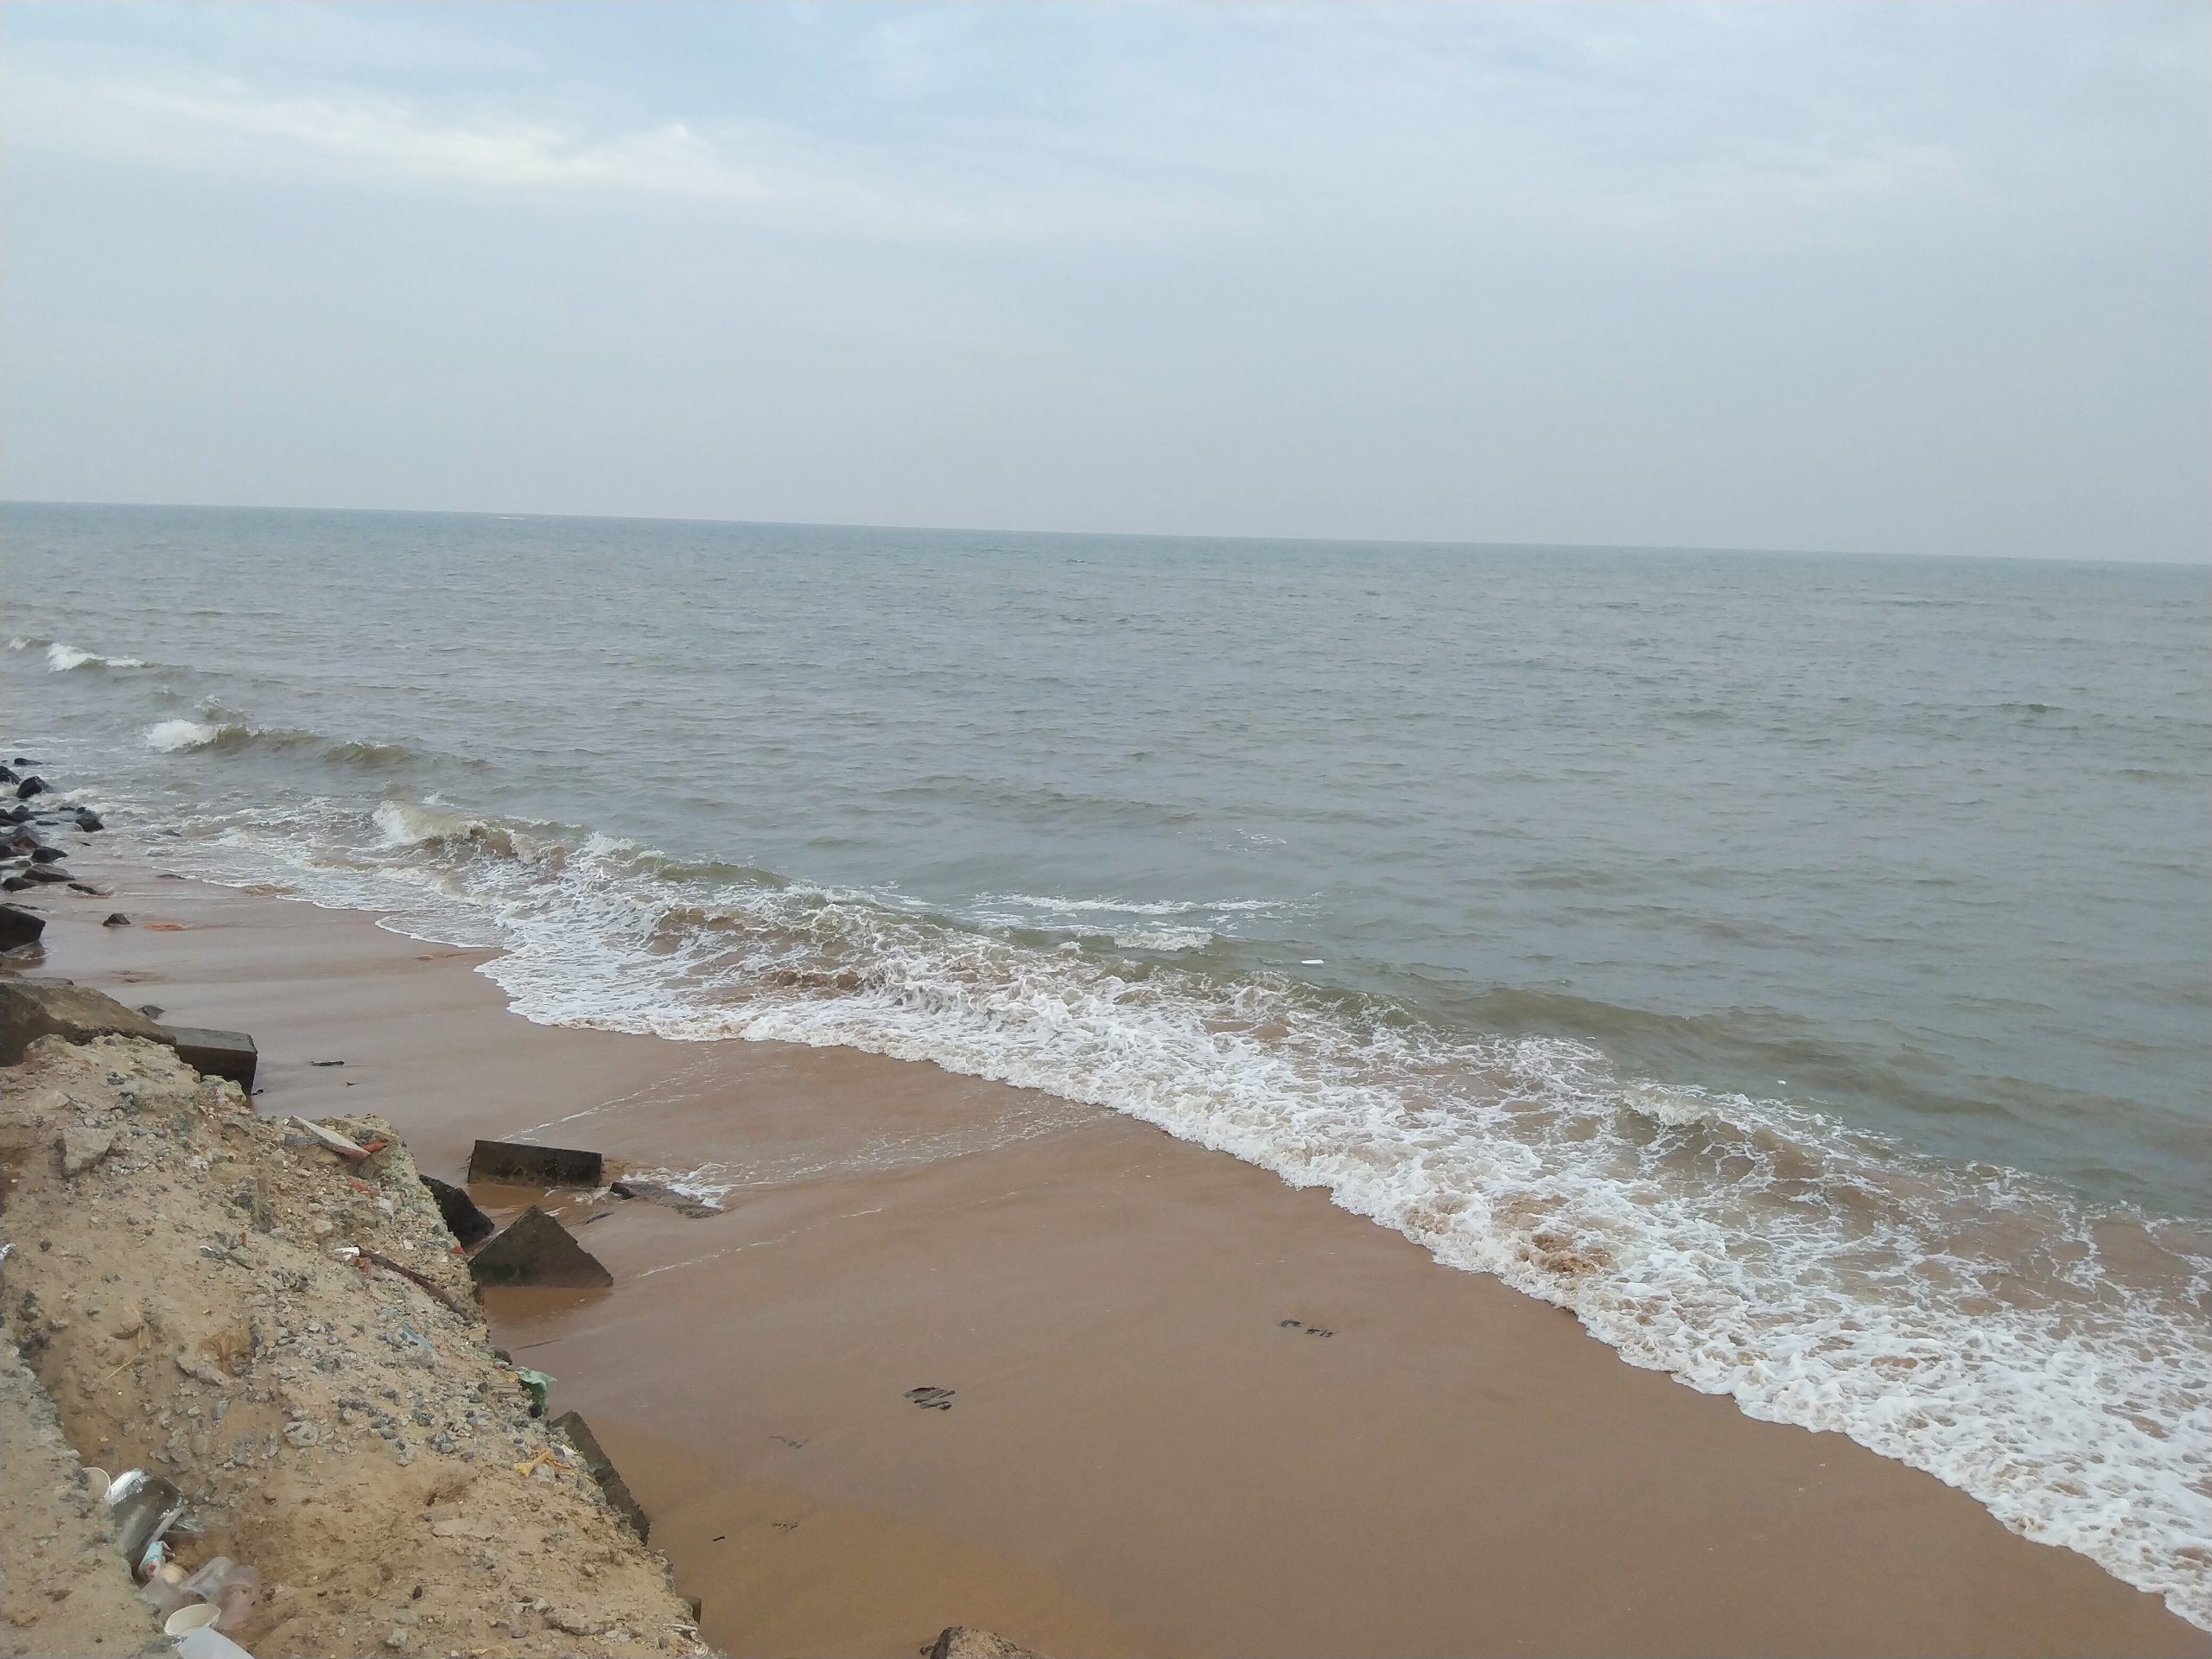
[{"x": 1799, "y": 966}]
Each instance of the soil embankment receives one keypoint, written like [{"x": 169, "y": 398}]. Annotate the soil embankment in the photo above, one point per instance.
[{"x": 196, "y": 1288}]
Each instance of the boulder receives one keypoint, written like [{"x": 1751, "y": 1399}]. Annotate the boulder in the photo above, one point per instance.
[
  {"x": 30, "y": 787},
  {"x": 12, "y": 884},
  {"x": 89, "y": 821},
  {"x": 216, "y": 1053},
  {"x": 116, "y": 918},
  {"x": 515, "y": 1164},
  {"x": 48, "y": 855},
  {"x": 16, "y": 815},
  {"x": 966, "y": 1641},
  {"x": 32, "y": 1008},
  {"x": 602, "y": 1470},
  {"x": 8, "y": 775},
  {"x": 19, "y": 926},
  {"x": 464, "y": 1220},
  {"x": 536, "y": 1250},
  {"x": 46, "y": 873}
]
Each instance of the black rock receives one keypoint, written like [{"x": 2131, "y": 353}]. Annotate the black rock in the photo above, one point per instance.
[
  {"x": 30, "y": 787},
  {"x": 116, "y": 918},
  {"x": 19, "y": 926},
  {"x": 653, "y": 1193},
  {"x": 48, "y": 873},
  {"x": 8, "y": 776},
  {"x": 88, "y": 820},
  {"x": 216, "y": 1053},
  {"x": 12, "y": 884},
  {"x": 16, "y": 815},
  {"x": 517, "y": 1164},
  {"x": 536, "y": 1250},
  {"x": 48, "y": 855},
  {"x": 463, "y": 1219},
  {"x": 88, "y": 889}
]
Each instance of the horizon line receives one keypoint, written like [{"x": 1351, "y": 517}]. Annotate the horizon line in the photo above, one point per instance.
[{"x": 1122, "y": 535}]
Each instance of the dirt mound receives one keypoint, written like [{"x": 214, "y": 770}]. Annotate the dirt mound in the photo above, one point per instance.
[{"x": 213, "y": 1298}]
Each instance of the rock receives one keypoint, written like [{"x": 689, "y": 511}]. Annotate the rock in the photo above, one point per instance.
[
  {"x": 8, "y": 776},
  {"x": 653, "y": 1193},
  {"x": 965, "y": 1642},
  {"x": 116, "y": 918},
  {"x": 602, "y": 1469},
  {"x": 536, "y": 1250},
  {"x": 19, "y": 926},
  {"x": 32, "y": 1008},
  {"x": 30, "y": 787},
  {"x": 216, "y": 1053},
  {"x": 48, "y": 855},
  {"x": 12, "y": 884},
  {"x": 463, "y": 1219},
  {"x": 518, "y": 1165},
  {"x": 48, "y": 873},
  {"x": 88, "y": 889},
  {"x": 81, "y": 1149},
  {"x": 88, "y": 820}
]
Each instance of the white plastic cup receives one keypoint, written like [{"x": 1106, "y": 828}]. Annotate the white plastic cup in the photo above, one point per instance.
[
  {"x": 208, "y": 1643},
  {"x": 185, "y": 1620}
]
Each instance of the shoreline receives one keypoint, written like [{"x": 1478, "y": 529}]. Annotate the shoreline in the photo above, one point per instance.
[{"x": 1142, "y": 1456}]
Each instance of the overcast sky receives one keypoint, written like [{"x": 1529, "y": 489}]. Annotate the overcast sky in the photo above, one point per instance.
[{"x": 1885, "y": 277}]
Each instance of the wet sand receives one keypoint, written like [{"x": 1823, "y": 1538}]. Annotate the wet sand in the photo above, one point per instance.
[{"x": 1141, "y": 1455}]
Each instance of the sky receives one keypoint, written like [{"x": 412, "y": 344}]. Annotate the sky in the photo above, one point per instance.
[{"x": 1889, "y": 278}]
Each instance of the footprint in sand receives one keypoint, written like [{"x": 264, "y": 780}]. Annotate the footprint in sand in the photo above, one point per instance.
[{"x": 931, "y": 1399}]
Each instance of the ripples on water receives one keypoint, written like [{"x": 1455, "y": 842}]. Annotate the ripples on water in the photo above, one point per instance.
[{"x": 1796, "y": 966}]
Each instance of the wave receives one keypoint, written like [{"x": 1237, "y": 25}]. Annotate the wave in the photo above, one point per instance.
[
  {"x": 230, "y": 737},
  {"x": 61, "y": 658},
  {"x": 2051, "y": 1359}
]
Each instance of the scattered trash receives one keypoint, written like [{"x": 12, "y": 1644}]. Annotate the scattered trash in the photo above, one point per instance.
[
  {"x": 931, "y": 1399},
  {"x": 164, "y": 927},
  {"x": 542, "y": 1459},
  {"x": 537, "y": 1384},
  {"x": 145, "y": 1508},
  {"x": 536, "y": 1250},
  {"x": 517, "y": 1164},
  {"x": 326, "y": 1062}
]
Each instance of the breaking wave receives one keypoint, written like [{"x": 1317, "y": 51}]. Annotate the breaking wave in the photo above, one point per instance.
[
  {"x": 61, "y": 658},
  {"x": 2051, "y": 1359},
  {"x": 230, "y": 737}
]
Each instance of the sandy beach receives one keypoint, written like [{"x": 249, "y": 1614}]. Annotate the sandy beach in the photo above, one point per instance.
[{"x": 1193, "y": 1411}]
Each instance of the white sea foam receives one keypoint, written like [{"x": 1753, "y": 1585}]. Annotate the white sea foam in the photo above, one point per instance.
[{"x": 1748, "y": 1247}]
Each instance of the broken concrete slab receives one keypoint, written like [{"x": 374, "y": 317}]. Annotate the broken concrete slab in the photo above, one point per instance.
[
  {"x": 32, "y": 1008},
  {"x": 216, "y": 1053},
  {"x": 602, "y": 1469},
  {"x": 516, "y": 1164},
  {"x": 463, "y": 1219},
  {"x": 536, "y": 1250},
  {"x": 19, "y": 926}
]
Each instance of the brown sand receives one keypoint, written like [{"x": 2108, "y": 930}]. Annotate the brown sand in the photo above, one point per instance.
[{"x": 1141, "y": 1456}]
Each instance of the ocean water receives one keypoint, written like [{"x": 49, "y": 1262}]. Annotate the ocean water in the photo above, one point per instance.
[{"x": 1801, "y": 967}]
